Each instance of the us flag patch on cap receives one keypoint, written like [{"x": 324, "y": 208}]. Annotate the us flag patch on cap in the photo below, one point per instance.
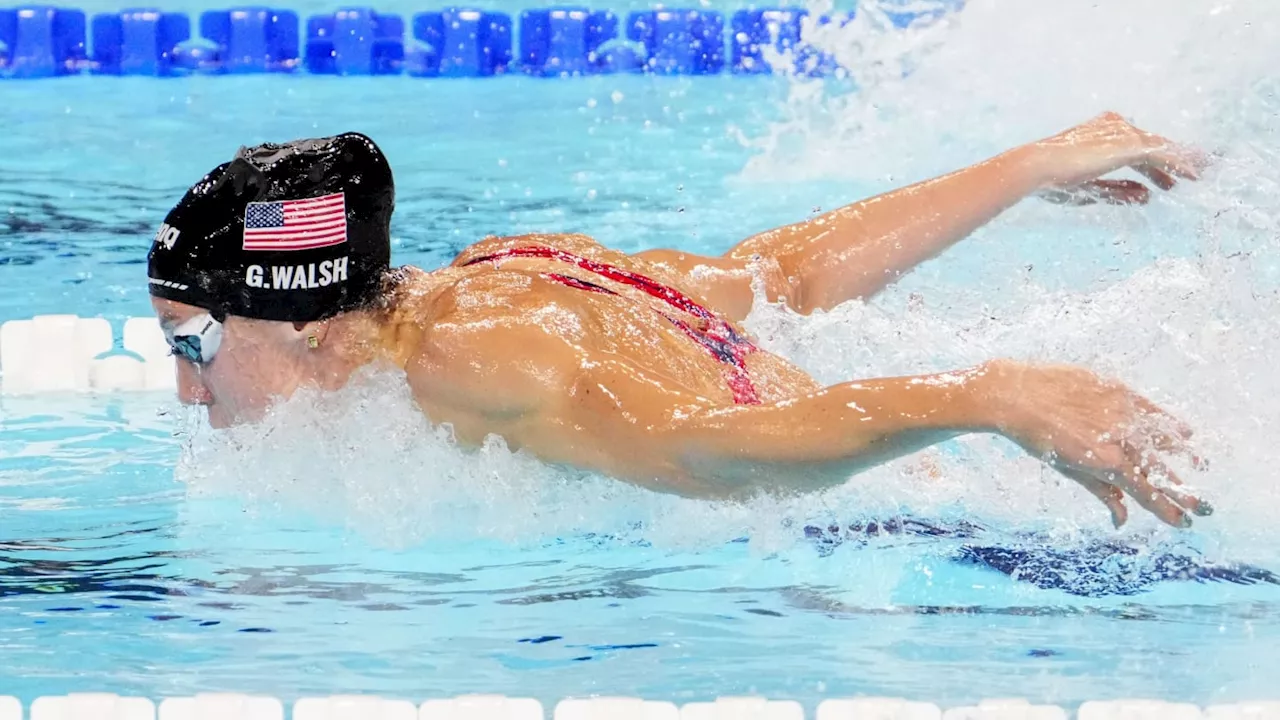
[{"x": 296, "y": 224}]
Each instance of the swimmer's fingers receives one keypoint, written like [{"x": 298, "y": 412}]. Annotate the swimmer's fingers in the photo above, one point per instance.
[
  {"x": 1158, "y": 177},
  {"x": 1172, "y": 444},
  {"x": 1167, "y": 502},
  {"x": 1110, "y": 495},
  {"x": 1133, "y": 479},
  {"x": 1167, "y": 159},
  {"x": 1164, "y": 417},
  {"x": 1152, "y": 466},
  {"x": 1115, "y": 192},
  {"x": 1167, "y": 433}
]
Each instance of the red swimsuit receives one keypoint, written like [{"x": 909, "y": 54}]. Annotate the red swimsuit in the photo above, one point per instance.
[{"x": 719, "y": 338}]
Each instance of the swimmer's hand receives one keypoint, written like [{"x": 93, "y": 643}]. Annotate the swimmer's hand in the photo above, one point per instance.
[
  {"x": 1112, "y": 192},
  {"x": 1074, "y": 160},
  {"x": 1100, "y": 434}
]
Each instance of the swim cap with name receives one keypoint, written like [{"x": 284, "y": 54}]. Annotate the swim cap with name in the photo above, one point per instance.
[{"x": 297, "y": 231}]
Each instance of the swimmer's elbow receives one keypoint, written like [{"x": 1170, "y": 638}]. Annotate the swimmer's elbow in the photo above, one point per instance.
[
  {"x": 734, "y": 478},
  {"x": 818, "y": 440},
  {"x": 735, "y": 452}
]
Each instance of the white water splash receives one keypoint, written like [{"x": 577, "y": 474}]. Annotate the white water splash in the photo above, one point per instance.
[
  {"x": 1177, "y": 298},
  {"x": 1002, "y": 72},
  {"x": 366, "y": 457},
  {"x": 1191, "y": 337}
]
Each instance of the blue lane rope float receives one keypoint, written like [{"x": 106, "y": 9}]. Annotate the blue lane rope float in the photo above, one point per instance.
[
  {"x": 46, "y": 41},
  {"x": 42, "y": 41}
]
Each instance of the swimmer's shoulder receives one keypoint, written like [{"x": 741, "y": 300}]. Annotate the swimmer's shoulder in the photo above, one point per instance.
[
  {"x": 575, "y": 243},
  {"x": 466, "y": 294},
  {"x": 472, "y": 346},
  {"x": 457, "y": 307},
  {"x": 485, "y": 309}
]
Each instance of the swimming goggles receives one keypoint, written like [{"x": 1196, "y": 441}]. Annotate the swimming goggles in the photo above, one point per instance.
[{"x": 196, "y": 339}]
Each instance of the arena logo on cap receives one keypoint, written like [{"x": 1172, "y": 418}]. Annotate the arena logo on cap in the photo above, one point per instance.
[
  {"x": 307, "y": 276},
  {"x": 304, "y": 224},
  {"x": 166, "y": 236}
]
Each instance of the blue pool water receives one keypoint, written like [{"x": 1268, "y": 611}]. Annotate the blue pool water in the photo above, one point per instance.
[{"x": 346, "y": 546}]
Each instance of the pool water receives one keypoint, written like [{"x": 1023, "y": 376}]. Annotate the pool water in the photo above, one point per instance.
[
  {"x": 348, "y": 546},
  {"x": 114, "y": 578}
]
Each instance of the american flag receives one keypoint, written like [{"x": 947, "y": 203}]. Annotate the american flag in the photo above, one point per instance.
[{"x": 296, "y": 224}]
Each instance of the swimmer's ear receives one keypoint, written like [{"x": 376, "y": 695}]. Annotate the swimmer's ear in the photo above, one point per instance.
[{"x": 314, "y": 332}]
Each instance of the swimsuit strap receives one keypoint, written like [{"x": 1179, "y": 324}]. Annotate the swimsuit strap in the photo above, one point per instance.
[
  {"x": 720, "y": 339},
  {"x": 672, "y": 296}
]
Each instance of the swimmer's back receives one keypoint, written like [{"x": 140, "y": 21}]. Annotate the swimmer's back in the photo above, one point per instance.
[
  {"x": 501, "y": 330},
  {"x": 725, "y": 285}
]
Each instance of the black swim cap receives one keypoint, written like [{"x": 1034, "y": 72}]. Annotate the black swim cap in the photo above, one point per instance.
[{"x": 298, "y": 231}]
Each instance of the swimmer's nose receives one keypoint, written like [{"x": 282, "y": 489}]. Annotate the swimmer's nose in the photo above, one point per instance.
[{"x": 191, "y": 389}]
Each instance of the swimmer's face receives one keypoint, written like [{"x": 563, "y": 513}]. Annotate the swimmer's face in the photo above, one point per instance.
[{"x": 256, "y": 363}]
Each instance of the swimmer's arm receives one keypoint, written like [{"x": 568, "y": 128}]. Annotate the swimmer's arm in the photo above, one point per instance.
[
  {"x": 1095, "y": 431},
  {"x": 819, "y": 440},
  {"x": 871, "y": 243},
  {"x": 857, "y": 250},
  {"x": 601, "y": 412},
  {"x": 638, "y": 428}
]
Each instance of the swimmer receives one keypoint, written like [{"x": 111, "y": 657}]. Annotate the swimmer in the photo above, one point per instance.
[{"x": 273, "y": 272}]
